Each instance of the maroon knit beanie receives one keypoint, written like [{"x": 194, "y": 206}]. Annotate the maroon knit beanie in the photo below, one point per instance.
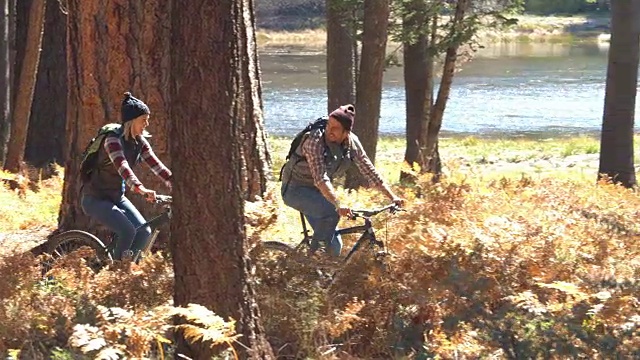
[{"x": 346, "y": 115}]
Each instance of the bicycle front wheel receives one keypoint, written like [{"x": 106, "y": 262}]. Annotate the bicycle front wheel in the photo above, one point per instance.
[{"x": 67, "y": 242}]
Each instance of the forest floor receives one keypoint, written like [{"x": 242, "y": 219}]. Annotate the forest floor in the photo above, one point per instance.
[{"x": 517, "y": 242}]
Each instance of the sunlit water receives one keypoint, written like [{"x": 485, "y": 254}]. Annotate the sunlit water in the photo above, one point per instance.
[{"x": 506, "y": 90}]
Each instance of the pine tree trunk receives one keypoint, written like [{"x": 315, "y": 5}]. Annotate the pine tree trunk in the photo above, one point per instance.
[
  {"x": 210, "y": 262},
  {"x": 418, "y": 79},
  {"x": 340, "y": 55},
  {"x": 432, "y": 153},
  {"x": 5, "y": 80},
  {"x": 616, "y": 143},
  {"x": 114, "y": 47},
  {"x": 46, "y": 133},
  {"x": 256, "y": 159},
  {"x": 25, "y": 89},
  {"x": 369, "y": 87}
]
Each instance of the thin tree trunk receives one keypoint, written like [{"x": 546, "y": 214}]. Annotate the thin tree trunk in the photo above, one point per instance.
[
  {"x": 435, "y": 122},
  {"x": 418, "y": 79},
  {"x": 210, "y": 263},
  {"x": 5, "y": 80},
  {"x": 616, "y": 143},
  {"x": 256, "y": 159},
  {"x": 369, "y": 87},
  {"x": 46, "y": 133},
  {"x": 113, "y": 48},
  {"x": 24, "y": 95},
  {"x": 340, "y": 55}
]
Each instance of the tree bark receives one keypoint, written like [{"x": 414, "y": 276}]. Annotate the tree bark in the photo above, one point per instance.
[
  {"x": 256, "y": 159},
  {"x": 369, "y": 86},
  {"x": 46, "y": 133},
  {"x": 5, "y": 80},
  {"x": 24, "y": 94},
  {"x": 616, "y": 142},
  {"x": 340, "y": 55},
  {"x": 210, "y": 263},
  {"x": 418, "y": 79},
  {"x": 113, "y": 47},
  {"x": 431, "y": 152}
]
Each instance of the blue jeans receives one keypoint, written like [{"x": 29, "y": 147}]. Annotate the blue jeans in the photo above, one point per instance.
[
  {"x": 120, "y": 217},
  {"x": 319, "y": 212}
]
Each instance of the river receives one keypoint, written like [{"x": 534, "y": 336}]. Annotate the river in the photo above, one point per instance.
[{"x": 511, "y": 89}]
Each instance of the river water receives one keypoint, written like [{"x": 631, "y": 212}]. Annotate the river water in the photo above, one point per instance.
[{"x": 506, "y": 90}]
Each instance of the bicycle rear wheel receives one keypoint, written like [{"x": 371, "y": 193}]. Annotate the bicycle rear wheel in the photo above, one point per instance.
[
  {"x": 278, "y": 246},
  {"x": 69, "y": 241},
  {"x": 287, "y": 266}
]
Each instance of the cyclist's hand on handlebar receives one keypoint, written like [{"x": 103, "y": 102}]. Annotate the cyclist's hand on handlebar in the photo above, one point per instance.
[
  {"x": 149, "y": 195},
  {"x": 398, "y": 201},
  {"x": 344, "y": 211}
]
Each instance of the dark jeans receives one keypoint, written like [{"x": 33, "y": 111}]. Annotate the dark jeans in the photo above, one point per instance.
[
  {"x": 319, "y": 212},
  {"x": 120, "y": 217}
]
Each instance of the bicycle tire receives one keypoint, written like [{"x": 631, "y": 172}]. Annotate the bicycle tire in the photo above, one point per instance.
[
  {"x": 67, "y": 242},
  {"x": 278, "y": 246}
]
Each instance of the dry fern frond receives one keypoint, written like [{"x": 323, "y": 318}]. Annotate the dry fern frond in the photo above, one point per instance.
[{"x": 210, "y": 327}]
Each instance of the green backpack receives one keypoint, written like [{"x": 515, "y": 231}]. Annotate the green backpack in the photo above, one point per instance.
[{"x": 90, "y": 153}]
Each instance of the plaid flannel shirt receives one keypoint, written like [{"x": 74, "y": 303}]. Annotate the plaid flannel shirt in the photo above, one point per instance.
[
  {"x": 313, "y": 150},
  {"x": 113, "y": 147}
]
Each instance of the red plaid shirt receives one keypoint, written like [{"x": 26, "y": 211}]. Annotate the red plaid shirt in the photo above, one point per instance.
[
  {"x": 113, "y": 147},
  {"x": 313, "y": 150}
]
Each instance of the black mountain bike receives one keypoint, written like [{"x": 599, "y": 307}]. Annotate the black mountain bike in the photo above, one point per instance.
[
  {"x": 67, "y": 242},
  {"x": 367, "y": 239}
]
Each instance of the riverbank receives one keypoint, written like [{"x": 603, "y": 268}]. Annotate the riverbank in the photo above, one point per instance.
[
  {"x": 472, "y": 157},
  {"x": 481, "y": 159},
  {"x": 529, "y": 28}
]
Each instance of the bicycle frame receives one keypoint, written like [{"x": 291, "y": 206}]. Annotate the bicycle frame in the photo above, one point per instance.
[
  {"x": 154, "y": 223},
  {"x": 366, "y": 229}
]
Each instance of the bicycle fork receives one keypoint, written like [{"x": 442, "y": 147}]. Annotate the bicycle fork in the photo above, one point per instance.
[{"x": 147, "y": 247}]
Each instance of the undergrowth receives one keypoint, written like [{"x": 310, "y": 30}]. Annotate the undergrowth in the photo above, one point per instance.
[
  {"x": 22, "y": 208},
  {"x": 494, "y": 267}
]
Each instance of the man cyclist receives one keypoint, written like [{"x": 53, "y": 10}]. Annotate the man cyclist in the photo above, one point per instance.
[
  {"x": 323, "y": 155},
  {"x": 103, "y": 193}
]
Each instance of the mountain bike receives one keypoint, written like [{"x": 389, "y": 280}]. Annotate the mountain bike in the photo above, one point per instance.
[
  {"x": 67, "y": 242},
  {"x": 281, "y": 251}
]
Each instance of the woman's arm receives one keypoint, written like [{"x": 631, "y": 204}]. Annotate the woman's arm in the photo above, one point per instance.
[
  {"x": 154, "y": 163},
  {"x": 114, "y": 149}
]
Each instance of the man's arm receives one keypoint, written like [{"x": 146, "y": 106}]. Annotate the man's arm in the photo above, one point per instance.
[
  {"x": 369, "y": 172},
  {"x": 313, "y": 151}
]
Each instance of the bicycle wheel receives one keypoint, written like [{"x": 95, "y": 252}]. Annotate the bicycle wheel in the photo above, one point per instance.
[
  {"x": 278, "y": 246},
  {"x": 285, "y": 266},
  {"x": 67, "y": 242}
]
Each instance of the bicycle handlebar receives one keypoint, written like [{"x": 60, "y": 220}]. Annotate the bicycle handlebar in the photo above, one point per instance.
[{"x": 392, "y": 208}]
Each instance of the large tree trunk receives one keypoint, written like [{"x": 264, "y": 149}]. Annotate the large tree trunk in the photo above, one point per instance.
[
  {"x": 256, "y": 159},
  {"x": 210, "y": 263},
  {"x": 113, "y": 47},
  {"x": 432, "y": 153},
  {"x": 26, "y": 85},
  {"x": 5, "y": 80},
  {"x": 340, "y": 54},
  {"x": 46, "y": 134},
  {"x": 369, "y": 87},
  {"x": 616, "y": 143},
  {"x": 418, "y": 80}
]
